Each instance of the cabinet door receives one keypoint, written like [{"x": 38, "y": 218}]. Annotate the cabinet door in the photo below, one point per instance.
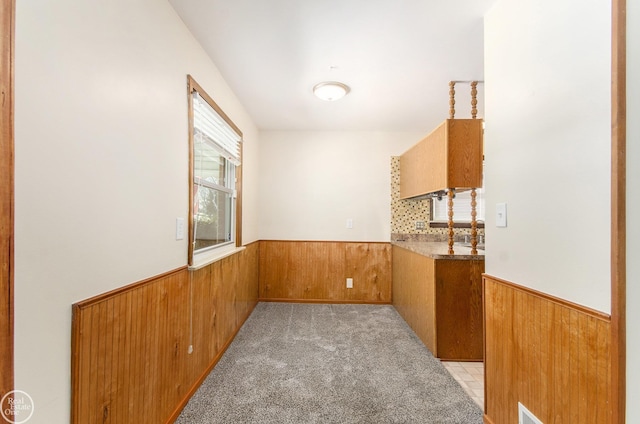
[
  {"x": 464, "y": 153},
  {"x": 449, "y": 157},
  {"x": 459, "y": 309}
]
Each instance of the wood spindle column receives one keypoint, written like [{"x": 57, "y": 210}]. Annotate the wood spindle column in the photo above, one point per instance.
[
  {"x": 452, "y": 99},
  {"x": 474, "y": 100},
  {"x": 474, "y": 224},
  {"x": 450, "y": 195}
]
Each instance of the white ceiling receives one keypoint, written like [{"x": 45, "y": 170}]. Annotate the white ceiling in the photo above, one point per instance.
[{"x": 396, "y": 55}]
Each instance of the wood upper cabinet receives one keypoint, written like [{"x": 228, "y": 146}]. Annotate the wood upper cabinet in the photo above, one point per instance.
[{"x": 449, "y": 157}]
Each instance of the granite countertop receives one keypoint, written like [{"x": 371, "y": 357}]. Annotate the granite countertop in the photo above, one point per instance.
[{"x": 439, "y": 250}]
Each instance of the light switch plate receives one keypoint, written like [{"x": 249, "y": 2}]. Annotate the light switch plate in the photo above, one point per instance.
[
  {"x": 350, "y": 223},
  {"x": 501, "y": 214},
  {"x": 179, "y": 228},
  {"x": 349, "y": 283}
]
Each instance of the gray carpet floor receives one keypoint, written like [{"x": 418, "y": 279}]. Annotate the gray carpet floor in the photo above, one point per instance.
[{"x": 312, "y": 363}]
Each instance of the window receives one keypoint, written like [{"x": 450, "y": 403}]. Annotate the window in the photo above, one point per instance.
[
  {"x": 216, "y": 146},
  {"x": 461, "y": 208}
]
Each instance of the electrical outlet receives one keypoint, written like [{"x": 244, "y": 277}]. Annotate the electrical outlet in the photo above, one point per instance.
[
  {"x": 190, "y": 350},
  {"x": 349, "y": 283},
  {"x": 350, "y": 223}
]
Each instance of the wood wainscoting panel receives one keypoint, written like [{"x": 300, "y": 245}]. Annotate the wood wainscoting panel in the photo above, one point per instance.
[
  {"x": 131, "y": 358},
  {"x": 549, "y": 354},
  {"x": 414, "y": 293},
  {"x": 308, "y": 271}
]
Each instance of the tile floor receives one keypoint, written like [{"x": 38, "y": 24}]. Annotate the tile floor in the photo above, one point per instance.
[{"x": 470, "y": 375}]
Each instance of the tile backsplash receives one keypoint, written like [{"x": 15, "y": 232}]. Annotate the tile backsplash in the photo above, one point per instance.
[{"x": 405, "y": 213}]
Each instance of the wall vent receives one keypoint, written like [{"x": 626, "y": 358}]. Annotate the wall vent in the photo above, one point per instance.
[{"x": 525, "y": 416}]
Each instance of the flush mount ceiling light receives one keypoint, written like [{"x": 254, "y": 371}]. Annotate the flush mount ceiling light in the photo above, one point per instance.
[{"x": 330, "y": 90}]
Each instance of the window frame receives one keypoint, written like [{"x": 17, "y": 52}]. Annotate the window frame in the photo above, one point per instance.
[
  {"x": 457, "y": 223},
  {"x": 192, "y": 86}
]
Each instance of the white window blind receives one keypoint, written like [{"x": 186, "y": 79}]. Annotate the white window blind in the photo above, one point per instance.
[
  {"x": 461, "y": 207},
  {"x": 208, "y": 124}
]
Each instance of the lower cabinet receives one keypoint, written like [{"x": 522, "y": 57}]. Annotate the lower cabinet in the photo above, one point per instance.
[{"x": 441, "y": 300}]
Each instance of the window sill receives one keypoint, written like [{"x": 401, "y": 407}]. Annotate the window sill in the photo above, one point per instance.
[{"x": 205, "y": 260}]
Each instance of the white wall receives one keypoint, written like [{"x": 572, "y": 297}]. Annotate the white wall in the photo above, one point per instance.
[
  {"x": 633, "y": 205},
  {"x": 547, "y": 146},
  {"x": 313, "y": 181},
  {"x": 101, "y": 166}
]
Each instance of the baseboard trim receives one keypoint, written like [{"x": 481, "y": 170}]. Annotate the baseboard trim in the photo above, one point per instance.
[
  {"x": 176, "y": 413},
  {"x": 328, "y": 301}
]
